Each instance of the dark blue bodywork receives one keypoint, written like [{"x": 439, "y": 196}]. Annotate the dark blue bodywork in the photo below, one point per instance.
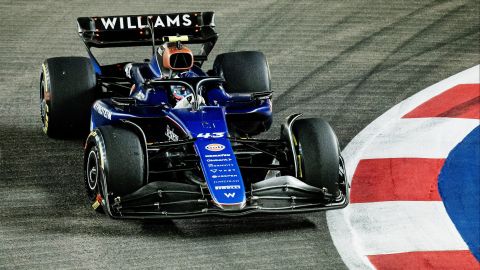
[{"x": 208, "y": 124}]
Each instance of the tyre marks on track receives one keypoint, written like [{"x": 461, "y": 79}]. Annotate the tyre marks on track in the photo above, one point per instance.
[
  {"x": 45, "y": 221},
  {"x": 398, "y": 55}
]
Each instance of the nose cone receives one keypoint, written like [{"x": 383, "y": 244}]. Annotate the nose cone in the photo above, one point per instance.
[{"x": 231, "y": 207}]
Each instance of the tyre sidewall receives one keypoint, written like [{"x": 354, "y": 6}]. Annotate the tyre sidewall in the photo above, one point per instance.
[
  {"x": 244, "y": 72},
  {"x": 123, "y": 160},
  {"x": 69, "y": 84}
]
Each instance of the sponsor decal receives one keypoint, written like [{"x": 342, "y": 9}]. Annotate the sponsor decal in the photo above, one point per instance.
[
  {"x": 140, "y": 22},
  {"x": 102, "y": 111},
  {"x": 171, "y": 134},
  {"x": 225, "y": 181},
  {"x": 220, "y": 165},
  {"x": 219, "y": 170},
  {"x": 224, "y": 170},
  {"x": 228, "y": 187},
  {"x": 218, "y": 159},
  {"x": 229, "y": 195},
  {"x": 224, "y": 176},
  {"x": 215, "y": 147},
  {"x": 217, "y": 155}
]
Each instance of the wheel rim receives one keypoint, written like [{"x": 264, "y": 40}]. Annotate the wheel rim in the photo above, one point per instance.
[{"x": 92, "y": 169}]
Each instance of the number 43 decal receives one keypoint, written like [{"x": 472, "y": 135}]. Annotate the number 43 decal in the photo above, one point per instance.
[{"x": 211, "y": 135}]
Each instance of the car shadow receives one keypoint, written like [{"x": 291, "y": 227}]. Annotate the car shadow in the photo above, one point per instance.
[{"x": 219, "y": 226}]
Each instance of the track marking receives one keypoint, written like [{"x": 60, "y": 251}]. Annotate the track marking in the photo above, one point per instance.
[
  {"x": 374, "y": 227},
  {"x": 392, "y": 179},
  {"x": 461, "y": 101},
  {"x": 460, "y": 259},
  {"x": 419, "y": 138},
  {"x": 394, "y": 227}
]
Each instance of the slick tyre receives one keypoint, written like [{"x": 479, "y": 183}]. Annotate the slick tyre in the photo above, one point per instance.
[
  {"x": 244, "y": 72},
  {"x": 67, "y": 92},
  {"x": 114, "y": 163},
  {"x": 318, "y": 154}
]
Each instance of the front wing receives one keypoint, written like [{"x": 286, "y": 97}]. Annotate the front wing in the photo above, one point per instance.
[{"x": 277, "y": 195}]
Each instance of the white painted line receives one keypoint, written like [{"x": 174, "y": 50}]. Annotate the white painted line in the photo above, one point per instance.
[
  {"x": 409, "y": 225},
  {"x": 346, "y": 240},
  {"x": 419, "y": 138}
]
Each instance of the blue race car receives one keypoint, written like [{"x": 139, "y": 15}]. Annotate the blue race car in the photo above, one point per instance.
[{"x": 169, "y": 140}]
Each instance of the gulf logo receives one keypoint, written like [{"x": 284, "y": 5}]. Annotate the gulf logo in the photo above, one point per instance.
[
  {"x": 215, "y": 147},
  {"x": 415, "y": 185}
]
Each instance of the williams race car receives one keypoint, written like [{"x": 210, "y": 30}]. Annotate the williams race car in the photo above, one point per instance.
[{"x": 169, "y": 140}]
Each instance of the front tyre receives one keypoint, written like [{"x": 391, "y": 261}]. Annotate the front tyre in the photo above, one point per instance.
[
  {"x": 114, "y": 163},
  {"x": 318, "y": 154}
]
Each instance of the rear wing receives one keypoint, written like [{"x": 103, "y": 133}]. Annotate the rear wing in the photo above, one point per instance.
[{"x": 133, "y": 30}]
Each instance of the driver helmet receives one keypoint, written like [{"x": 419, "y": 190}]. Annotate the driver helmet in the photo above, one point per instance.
[{"x": 175, "y": 56}]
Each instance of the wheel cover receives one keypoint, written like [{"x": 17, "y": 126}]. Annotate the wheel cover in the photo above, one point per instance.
[{"x": 92, "y": 169}]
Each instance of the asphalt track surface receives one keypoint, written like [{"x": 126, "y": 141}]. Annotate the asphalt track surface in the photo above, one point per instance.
[{"x": 347, "y": 62}]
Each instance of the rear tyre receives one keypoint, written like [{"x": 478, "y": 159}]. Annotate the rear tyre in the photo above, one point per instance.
[
  {"x": 114, "y": 156},
  {"x": 244, "y": 72},
  {"x": 67, "y": 92},
  {"x": 319, "y": 157}
]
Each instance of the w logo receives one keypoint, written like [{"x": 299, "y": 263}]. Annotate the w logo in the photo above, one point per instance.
[{"x": 229, "y": 195}]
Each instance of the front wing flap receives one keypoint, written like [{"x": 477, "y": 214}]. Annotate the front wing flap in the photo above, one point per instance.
[{"x": 284, "y": 194}]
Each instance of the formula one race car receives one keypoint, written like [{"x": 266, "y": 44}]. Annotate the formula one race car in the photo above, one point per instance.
[{"x": 169, "y": 140}]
